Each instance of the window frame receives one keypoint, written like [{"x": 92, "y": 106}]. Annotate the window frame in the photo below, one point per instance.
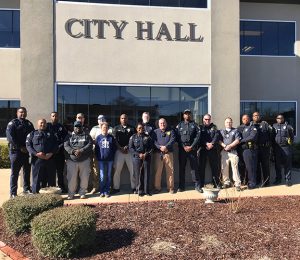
[
  {"x": 135, "y": 6},
  {"x": 275, "y": 21},
  {"x": 9, "y": 47},
  {"x": 57, "y": 84}
]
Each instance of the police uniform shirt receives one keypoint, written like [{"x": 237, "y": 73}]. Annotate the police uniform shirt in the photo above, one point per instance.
[
  {"x": 59, "y": 131},
  {"x": 229, "y": 136},
  {"x": 17, "y": 131},
  {"x": 123, "y": 133},
  {"x": 188, "y": 133},
  {"x": 148, "y": 128},
  {"x": 209, "y": 134},
  {"x": 140, "y": 144},
  {"x": 284, "y": 134},
  {"x": 164, "y": 138},
  {"x": 41, "y": 141},
  {"x": 249, "y": 134},
  {"x": 264, "y": 132}
]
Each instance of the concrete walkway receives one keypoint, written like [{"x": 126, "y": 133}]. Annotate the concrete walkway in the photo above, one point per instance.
[
  {"x": 125, "y": 197},
  {"x": 4, "y": 256}
]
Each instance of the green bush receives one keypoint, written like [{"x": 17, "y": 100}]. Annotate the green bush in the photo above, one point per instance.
[
  {"x": 19, "y": 212},
  {"x": 62, "y": 232},
  {"x": 4, "y": 156}
]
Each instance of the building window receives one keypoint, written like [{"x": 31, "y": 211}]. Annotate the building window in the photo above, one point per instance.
[
  {"x": 267, "y": 38},
  {"x": 8, "y": 110},
  {"x": 112, "y": 101},
  {"x": 270, "y": 109},
  {"x": 173, "y": 3},
  {"x": 10, "y": 28}
]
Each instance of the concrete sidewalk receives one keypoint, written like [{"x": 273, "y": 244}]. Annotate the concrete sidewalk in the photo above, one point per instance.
[
  {"x": 4, "y": 256},
  {"x": 125, "y": 197}
]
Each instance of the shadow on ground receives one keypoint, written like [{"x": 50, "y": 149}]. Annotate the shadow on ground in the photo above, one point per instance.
[{"x": 109, "y": 240}]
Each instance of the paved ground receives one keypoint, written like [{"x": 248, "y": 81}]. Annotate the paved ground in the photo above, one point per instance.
[
  {"x": 123, "y": 197},
  {"x": 4, "y": 256}
]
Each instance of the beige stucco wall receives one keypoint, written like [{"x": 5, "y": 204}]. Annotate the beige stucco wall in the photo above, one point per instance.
[
  {"x": 37, "y": 58},
  {"x": 130, "y": 60},
  {"x": 272, "y": 78},
  {"x": 225, "y": 71},
  {"x": 10, "y": 4},
  {"x": 10, "y": 73}
]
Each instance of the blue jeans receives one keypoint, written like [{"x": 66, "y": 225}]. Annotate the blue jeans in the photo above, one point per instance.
[{"x": 105, "y": 168}]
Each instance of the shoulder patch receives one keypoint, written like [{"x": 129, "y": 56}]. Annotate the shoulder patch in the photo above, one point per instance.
[{"x": 10, "y": 123}]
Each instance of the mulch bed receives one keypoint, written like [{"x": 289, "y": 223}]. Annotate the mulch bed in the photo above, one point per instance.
[{"x": 262, "y": 228}]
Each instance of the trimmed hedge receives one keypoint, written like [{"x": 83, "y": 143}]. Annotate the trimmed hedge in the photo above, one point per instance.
[
  {"x": 62, "y": 232},
  {"x": 19, "y": 211},
  {"x": 4, "y": 156}
]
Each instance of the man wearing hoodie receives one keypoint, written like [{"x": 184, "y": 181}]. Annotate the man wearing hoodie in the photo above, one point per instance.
[{"x": 79, "y": 147}]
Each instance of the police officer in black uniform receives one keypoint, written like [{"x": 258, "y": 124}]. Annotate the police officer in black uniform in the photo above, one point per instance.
[
  {"x": 140, "y": 145},
  {"x": 249, "y": 146},
  {"x": 60, "y": 133},
  {"x": 264, "y": 141},
  {"x": 42, "y": 145},
  {"x": 16, "y": 133},
  {"x": 210, "y": 137},
  {"x": 148, "y": 127},
  {"x": 284, "y": 137},
  {"x": 188, "y": 136}
]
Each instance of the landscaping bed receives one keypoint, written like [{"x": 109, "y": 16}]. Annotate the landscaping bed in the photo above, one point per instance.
[{"x": 262, "y": 228}]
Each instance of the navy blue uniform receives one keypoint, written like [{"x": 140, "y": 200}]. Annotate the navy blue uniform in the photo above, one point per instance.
[
  {"x": 43, "y": 171},
  {"x": 188, "y": 134},
  {"x": 141, "y": 144},
  {"x": 209, "y": 134},
  {"x": 249, "y": 146},
  {"x": 148, "y": 129},
  {"x": 284, "y": 137},
  {"x": 264, "y": 141},
  {"x": 239, "y": 149},
  {"x": 60, "y": 133},
  {"x": 16, "y": 133}
]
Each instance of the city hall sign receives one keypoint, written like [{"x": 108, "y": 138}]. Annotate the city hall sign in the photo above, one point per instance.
[{"x": 146, "y": 30}]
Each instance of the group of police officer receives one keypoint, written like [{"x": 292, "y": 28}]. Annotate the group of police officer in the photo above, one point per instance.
[{"x": 247, "y": 149}]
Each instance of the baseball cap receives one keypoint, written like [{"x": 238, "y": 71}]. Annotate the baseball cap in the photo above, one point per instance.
[
  {"x": 101, "y": 117},
  {"x": 77, "y": 124},
  {"x": 187, "y": 111}
]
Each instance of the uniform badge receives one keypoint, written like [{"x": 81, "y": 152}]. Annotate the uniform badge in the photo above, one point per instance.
[
  {"x": 168, "y": 133},
  {"x": 284, "y": 127},
  {"x": 227, "y": 135},
  {"x": 246, "y": 129},
  {"x": 60, "y": 128},
  {"x": 48, "y": 134},
  {"x": 146, "y": 133},
  {"x": 128, "y": 130}
]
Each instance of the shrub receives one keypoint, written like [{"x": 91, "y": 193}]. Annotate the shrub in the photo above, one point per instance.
[
  {"x": 62, "y": 232},
  {"x": 19, "y": 212},
  {"x": 4, "y": 156}
]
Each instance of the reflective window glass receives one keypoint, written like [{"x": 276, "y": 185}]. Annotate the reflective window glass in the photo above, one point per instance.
[
  {"x": 7, "y": 113},
  {"x": 267, "y": 38},
  {"x": 269, "y": 41},
  {"x": 112, "y": 101},
  {"x": 286, "y": 38},
  {"x": 10, "y": 28},
  {"x": 269, "y": 111}
]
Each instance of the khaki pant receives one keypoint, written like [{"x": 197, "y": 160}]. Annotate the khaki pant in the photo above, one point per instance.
[
  {"x": 120, "y": 159},
  {"x": 75, "y": 170},
  {"x": 160, "y": 162},
  {"x": 233, "y": 159}
]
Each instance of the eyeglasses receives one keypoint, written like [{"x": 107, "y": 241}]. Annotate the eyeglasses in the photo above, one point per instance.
[{"x": 140, "y": 128}]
